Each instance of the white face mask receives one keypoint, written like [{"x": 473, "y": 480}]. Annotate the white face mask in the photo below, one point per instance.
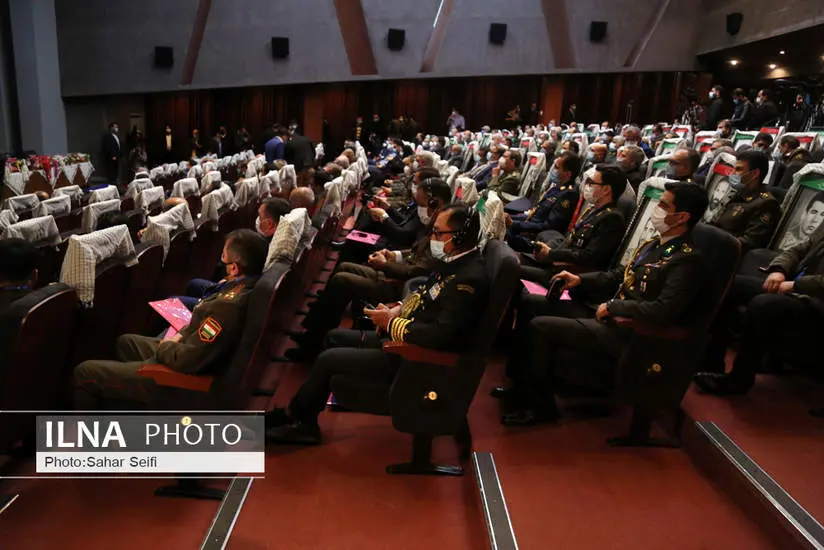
[
  {"x": 257, "y": 225},
  {"x": 407, "y": 170},
  {"x": 488, "y": 157},
  {"x": 658, "y": 219},
  {"x": 436, "y": 248},
  {"x": 415, "y": 165},
  {"x": 589, "y": 194},
  {"x": 423, "y": 214}
]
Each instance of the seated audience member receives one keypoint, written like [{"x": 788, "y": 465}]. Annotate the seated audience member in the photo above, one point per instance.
[
  {"x": 762, "y": 142},
  {"x": 302, "y": 197},
  {"x": 506, "y": 178},
  {"x": 659, "y": 287},
  {"x": 333, "y": 170},
  {"x": 725, "y": 129},
  {"x": 793, "y": 158},
  {"x": 201, "y": 347},
  {"x": 343, "y": 162},
  {"x": 483, "y": 177},
  {"x": 368, "y": 283},
  {"x": 682, "y": 164},
  {"x": 596, "y": 235},
  {"x": 441, "y": 315},
  {"x": 787, "y": 309},
  {"x": 18, "y": 270},
  {"x": 718, "y": 146},
  {"x": 569, "y": 146},
  {"x": 171, "y": 202},
  {"x": 266, "y": 223},
  {"x": 752, "y": 214},
  {"x": 42, "y": 195},
  {"x": 632, "y": 136},
  {"x": 111, "y": 219},
  {"x": 554, "y": 209},
  {"x": 597, "y": 154},
  {"x": 630, "y": 159},
  {"x": 456, "y": 158}
]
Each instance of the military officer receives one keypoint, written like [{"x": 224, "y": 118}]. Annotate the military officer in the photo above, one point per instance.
[
  {"x": 595, "y": 237},
  {"x": 214, "y": 330},
  {"x": 554, "y": 209},
  {"x": 440, "y": 315},
  {"x": 506, "y": 178},
  {"x": 658, "y": 287},
  {"x": 752, "y": 214},
  {"x": 787, "y": 313}
]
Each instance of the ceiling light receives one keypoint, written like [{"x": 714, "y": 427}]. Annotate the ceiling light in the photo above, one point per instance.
[
  {"x": 781, "y": 52},
  {"x": 773, "y": 66},
  {"x": 734, "y": 62}
]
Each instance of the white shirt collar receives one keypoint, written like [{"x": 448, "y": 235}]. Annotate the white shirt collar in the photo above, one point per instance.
[{"x": 462, "y": 254}]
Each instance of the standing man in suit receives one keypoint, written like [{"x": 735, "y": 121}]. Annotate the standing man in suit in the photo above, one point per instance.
[
  {"x": 112, "y": 152},
  {"x": 167, "y": 147},
  {"x": 300, "y": 152}
]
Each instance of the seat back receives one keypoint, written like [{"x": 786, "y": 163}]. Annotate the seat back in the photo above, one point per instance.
[
  {"x": 722, "y": 255},
  {"x": 36, "y": 333},
  {"x": 456, "y": 387},
  {"x": 143, "y": 279},
  {"x": 175, "y": 268}
]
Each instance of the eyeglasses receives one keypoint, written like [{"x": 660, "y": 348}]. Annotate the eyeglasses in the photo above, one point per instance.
[
  {"x": 589, "y": 181},
  {"x": 437, "y": 233}
]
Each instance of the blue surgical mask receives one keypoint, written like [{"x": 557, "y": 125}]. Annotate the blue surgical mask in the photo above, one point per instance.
[
  {"x": 590, "y": 156},
  {"x": 488, "y": 157},
  {"x": 554, "y": 178},
  {"x": 735, "y": 182},
  {"x": 436, "y": 248}
]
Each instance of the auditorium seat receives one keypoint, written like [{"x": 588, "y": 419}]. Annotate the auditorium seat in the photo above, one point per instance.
[
  {"x": 206, "y": 249},
  {"x": 98, "y": 324},
  {"x": 431, "y": 394},
  {"x": 175, "y": 267},
  {"x": 36, "y": 333},
  {"x": 141, "y": 284},
  {"x": 51, "y": 258}
]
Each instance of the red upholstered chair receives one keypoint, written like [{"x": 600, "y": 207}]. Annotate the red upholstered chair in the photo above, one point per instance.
[{"x": 36, "y": 333}]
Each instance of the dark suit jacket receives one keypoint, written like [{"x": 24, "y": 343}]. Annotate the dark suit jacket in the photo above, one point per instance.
[
  {"x": 300, "y": 152},
  {"x": 111, "y": 148}
]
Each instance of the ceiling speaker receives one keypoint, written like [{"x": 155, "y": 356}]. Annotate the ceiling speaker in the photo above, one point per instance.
[
  {"x": 164, "y": 56},
  {"x": 280, "y": 47},
  {"x": 497, "y": 33},
  {"x": 734, "y": 21},
  {"x": 597, "y": 31},
  {"x": 395, "y": 39}
]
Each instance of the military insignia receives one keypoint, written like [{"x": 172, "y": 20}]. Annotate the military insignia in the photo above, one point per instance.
[
  {"x": 737, "y": 210},
  {"x": 565, "y": 203},
  {"x": 765, "y": 195},
  {"x": 231, "y": 294},
  {"x": 209, "y": 330},
  {"x": 466, "y": 288},
  {"x": 434, "y": 292},
  {"x": 686, "y": 249},
  {"x": 765, "y": 218},
  {"x": 410, "y": 305}
]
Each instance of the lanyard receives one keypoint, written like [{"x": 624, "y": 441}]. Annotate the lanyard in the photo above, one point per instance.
[
  {"x": 18, "y": 287},
  {"x": 588, "y": 213}
]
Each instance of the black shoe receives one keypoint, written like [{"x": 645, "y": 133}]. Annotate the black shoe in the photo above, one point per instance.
[
  {"x": 301, "y": 355},
  {"x": 531, "y": 417},
  {"x": 277, "y": 418},
  {"x": 502, "y": 392},
  {"x": 296, "y": 433},
  {"x": 722, "y": 384}
]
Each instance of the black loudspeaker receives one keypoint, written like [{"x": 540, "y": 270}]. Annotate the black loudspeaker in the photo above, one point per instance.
[
  {"x": 395, "y": 39},
  {"x": 497, "y": 33},
  {"x": 280, "y": 47},
  {"x": 597, "y": 31},
  {"x": 164, "y": 56},
  {"x": 734, "y": 21}
]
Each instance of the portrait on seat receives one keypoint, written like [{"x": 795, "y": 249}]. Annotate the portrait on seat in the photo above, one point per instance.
[
  {"x": 718, "y": 189},
  {"x": 803, "y": 216},
  {"x": 641, "y": 229}
]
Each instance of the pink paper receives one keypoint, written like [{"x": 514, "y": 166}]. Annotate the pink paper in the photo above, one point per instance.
[
  {"x": 534, "y": 288},
  {"x": 173, "y": 310},
  {"x": 171, "y": 333},
  {"x": 363, "y": 237},
  {"x": 565, "y": 295}
]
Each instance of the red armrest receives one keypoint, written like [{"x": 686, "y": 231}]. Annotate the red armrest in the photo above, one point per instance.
[
  {"x": 164, "y": 376},
  {"x": 664, "y": 333},
  {"x": 418, "y": 354}
]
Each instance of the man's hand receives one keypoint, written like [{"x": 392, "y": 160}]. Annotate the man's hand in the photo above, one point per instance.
[
  {"x": 378, "y": 259},
  {"x": 377, "y": 214},
  {"x": 786, "y": 287},
  {"x": 570, "y": 279},
  {"x": 541, "y": 250},
  {"x": 507, "y": 220},
  {"x": 175, "y": 338},
  {"x": 496, "y": 171},
  {"x": 382, "y": 316},
  {"x": 380, "y": 201},
  {"x": 602, "y": 313},
  {"x": 390, "y": 256},
  {"x": 774, "y": 281}
]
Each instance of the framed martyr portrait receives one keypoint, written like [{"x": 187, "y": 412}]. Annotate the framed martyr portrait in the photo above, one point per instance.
[
  {"x": 640, "y": 228},
  {"x": 803, "y": 213}
]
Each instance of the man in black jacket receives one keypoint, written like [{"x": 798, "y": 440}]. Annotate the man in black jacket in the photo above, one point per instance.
[
  {"x": 714, "y": 108},
  {"x": 441, "y": 315},
  {"x": 766, "y": 113},
  {"x": 597, "y": 232},
  {"x": 660, "y": 287},
  {"x": 744, "y": 110},
  {"x": 787, "y": 311},
  {"x": 112, "y": 153}
]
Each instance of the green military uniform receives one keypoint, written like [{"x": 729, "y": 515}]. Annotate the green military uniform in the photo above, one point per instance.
[
  {"x": 591, "y": 243},
  {"x": 751, "y": 217},
  {"x": 658, "y": 287},
  {"x": 214, "y": 330},
  {"x": 506, "y": 183}
]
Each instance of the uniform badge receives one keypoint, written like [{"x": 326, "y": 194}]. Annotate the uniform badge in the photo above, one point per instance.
[
  {"x": 466, "y": 288},
  {"x": 737, "y": 210},
  {"x": 765, "y": 218},
  {"x": 434, "y": 292},
  {"x": 231, "y": 294},
  {"x": 565, "y": 203},
  {"x": 209, "y": 330}
]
